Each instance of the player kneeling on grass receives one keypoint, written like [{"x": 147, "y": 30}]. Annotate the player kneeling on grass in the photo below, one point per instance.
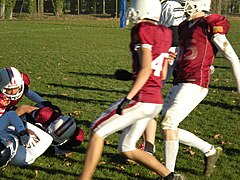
[
  {"x": 66, "y": 135},
  {"x": 149, "y": 46},
  {"x": 20, "y": 145}
]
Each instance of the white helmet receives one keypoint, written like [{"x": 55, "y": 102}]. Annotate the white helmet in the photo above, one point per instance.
[
  {"x": 62, "y": 129},
  {"x": 194, "y": 6},
  {"x": 144, "y": 9},
  {"x": 11, "y": 78},
  {"x": 181, "y": 1},
  {"x": 8, "y": 148}
]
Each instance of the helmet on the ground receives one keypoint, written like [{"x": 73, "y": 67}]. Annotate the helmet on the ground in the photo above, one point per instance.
[
  {"x": 11, "y": 78},
  {"x": 144, "y": 9},
  {"x": 62, "y": 129}
]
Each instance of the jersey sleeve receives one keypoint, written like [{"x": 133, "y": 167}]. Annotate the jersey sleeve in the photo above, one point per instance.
[
  {"x": 218, "y": 24},
  {"x": 146, "y": 37},
  {"x": 26, "y": 80}
]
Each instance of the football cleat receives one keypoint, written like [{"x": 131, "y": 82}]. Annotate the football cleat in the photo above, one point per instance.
[
  {"x": 172, "y": 176},
  {"x": 210, "y": 161}
]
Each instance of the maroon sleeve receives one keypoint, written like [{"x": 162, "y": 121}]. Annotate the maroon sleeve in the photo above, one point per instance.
[{"x": 218, "y": 23}]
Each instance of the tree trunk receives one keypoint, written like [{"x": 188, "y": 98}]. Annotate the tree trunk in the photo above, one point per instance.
[
  {"x": 2, "y": 8},
  {"x": 40, "y": 7}
]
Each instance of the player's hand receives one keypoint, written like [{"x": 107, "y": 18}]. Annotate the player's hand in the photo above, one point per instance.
[
  {"x": 24, "y": 137},
  {"x": 33, "y": 139},
  {"x": 122, "y": 105},
  {"x": 172, "y": 56}
]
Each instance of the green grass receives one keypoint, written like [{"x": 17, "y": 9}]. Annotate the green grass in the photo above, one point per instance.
[{"x": 71, "y": 63}]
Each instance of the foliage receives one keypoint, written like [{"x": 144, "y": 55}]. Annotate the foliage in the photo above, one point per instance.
[
  {"x": 9, "y": 5},
  {"x": 71, "y": 62},
  {"x": 58, "y": 7},
  {"x": 32, "y": 6}
]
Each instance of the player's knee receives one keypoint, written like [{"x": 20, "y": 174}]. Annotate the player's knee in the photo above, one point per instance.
[
  {"x": 167, "y": 122},
  {"x": 122, "y": 148}
]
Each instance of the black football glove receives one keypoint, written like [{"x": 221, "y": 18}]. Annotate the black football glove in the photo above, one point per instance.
[
  {"x": 123, "y": 75},
  {"x": 122, "y": 105}
]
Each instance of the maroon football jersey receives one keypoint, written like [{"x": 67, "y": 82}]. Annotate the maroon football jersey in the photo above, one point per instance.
[
  {"x": 197, "y": 51},
  {"x": 5, "y": 103},
  {"x": 158, "y": 38}
]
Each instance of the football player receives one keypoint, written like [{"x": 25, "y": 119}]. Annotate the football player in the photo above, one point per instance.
[
  {"x": 172, "y": 15},
  {"x": 201, "y": 36},
  {"x": 20, "y": 144},
  {"x": 149, "y": 46},
  {"x": 13, "y": 86},
  {"x": 66, "y": 135}
]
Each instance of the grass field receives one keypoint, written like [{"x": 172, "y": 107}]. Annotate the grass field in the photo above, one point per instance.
[{"x": 71, "y": 63}]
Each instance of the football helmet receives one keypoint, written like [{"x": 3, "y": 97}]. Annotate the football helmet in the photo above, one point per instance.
[
  {"x": 11, "y": 78},
  {"x": 8, "y": 148},
  {"x": 181, "y": 1},
  {"x": 144, "y": 9},
  {"x": 194, "y": 6},
  {"x": 61, "y": 129}
]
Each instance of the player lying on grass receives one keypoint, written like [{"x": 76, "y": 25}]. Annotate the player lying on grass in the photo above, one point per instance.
[
  {"x": 66, "y": 135},
  {"x": 20, "y": 144}
]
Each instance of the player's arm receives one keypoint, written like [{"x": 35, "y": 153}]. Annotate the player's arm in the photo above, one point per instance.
[
  {"x": 33, "y": 96},
  {"x": 25, "y": 109},
  {"x": 144, "y": 73},
  {"x": 226, "y": 49}
]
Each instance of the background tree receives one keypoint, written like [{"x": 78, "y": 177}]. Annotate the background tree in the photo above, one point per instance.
[{"x": 9, "y": 5}]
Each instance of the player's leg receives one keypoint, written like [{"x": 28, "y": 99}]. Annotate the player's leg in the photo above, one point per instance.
[
  {"x": 150, "y": 134},
  {"x": 108, "y": 123},
  {"x": 211, "y": 154},
  {"x": 127, "y": 146},
  {"x": 130, "y": 136},
  {"x": 93, "y": 155},
  {"x": 180, "y": 101}
]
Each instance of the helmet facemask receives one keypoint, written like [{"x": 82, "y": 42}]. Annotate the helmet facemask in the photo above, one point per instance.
[{"x": 194, "y": 7}]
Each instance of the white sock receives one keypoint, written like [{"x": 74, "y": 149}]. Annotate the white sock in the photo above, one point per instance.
[
  {"x": 211, "y": 151},
  {"x": 170, "y": 153},
  {"x": 189, "y": 139}
]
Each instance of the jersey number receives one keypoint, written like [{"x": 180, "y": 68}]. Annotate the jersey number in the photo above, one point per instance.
[{"x": 157, "y": 63}]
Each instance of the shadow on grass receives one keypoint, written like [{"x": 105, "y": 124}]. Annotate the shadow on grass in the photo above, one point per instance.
[
  {"x": 223, "y": 88},
  {"x": 187, "y": 170},
  {"x": 73, "y": 99},
  {"x": 232, "y": 151},
  {"x": 86, "y": 88},
  {"x": 109, "y": 76},
  {"x": 86, "y": 123},
  {"x": 221, "y": 105}
]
